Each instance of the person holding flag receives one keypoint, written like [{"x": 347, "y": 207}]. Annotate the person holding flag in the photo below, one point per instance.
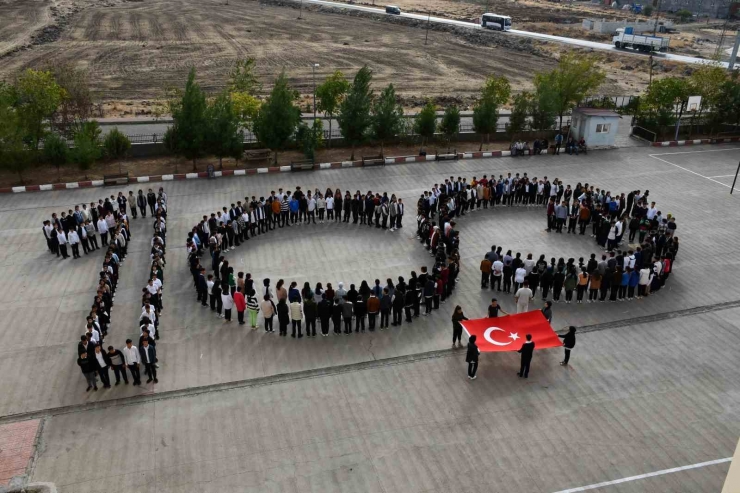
[
  {"x": 457, "y": 328},
  {"x": 526, "y": 351}
]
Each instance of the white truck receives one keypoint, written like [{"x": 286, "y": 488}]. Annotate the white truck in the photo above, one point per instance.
[{"x": 626, "y": 39}]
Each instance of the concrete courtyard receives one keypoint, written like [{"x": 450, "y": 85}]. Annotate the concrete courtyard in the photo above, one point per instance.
[{"x": 653, "y": 383}]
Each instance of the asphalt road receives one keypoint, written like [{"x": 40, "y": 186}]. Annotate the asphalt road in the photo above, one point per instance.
[{"x": 528, "y": 34}]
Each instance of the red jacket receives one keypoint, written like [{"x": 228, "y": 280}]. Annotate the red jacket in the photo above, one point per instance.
[{"x": 239, "y": 302}]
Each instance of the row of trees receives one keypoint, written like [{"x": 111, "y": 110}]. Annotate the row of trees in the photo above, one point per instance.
[
  {"x": 666, "y": 99},
  {"x": 53, "y": 107}
]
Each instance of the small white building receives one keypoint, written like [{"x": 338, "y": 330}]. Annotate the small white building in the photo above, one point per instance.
[{"x": 598, "y": 127}]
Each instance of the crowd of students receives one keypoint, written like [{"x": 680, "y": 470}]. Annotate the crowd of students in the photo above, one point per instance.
[
  {"x": 92, "y": 359},
  {"x": 225, "y": 290},
  {"x": 82, "y": 225}
]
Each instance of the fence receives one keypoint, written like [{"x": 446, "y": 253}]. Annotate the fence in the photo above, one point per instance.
[{"x": 336, "y": 134}]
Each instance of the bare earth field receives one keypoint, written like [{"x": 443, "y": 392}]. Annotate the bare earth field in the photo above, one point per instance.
[{"x": 134, "y": 50}]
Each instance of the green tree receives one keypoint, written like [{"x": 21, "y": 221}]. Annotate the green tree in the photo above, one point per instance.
[
  {"x": 14, "y": 156},
  {"x": 426, "y": 123},
  {"x": 543, "y": 108},
  {"x": 518, "y": 117},
  {"x": 242, "y": 78},
  {"x": 39, "y": 96},
  {"x": 684, "y": 15},
  {"x": 330, "y": 94},
  {"x": 223, "y": 137},
  {"x": 56, "y": 152},
  {"x": 310, "y": 138},
  {"x": 76, "y": 105},
  {"x": 242, "y": 87},
  {"x": 728, "y": 106},
  {"x": 387, "y": 116},
  {"x": 354, "y": 110},
  {"x": 189, "y": 122},
  {"x": 278, "y": 118},
  {"x": 497, "y": 89},
  {"x": 116, "y": 146},
  {"x": 485, "y": 118},
  {"x": 708, "y": 82},
  {"x": 449, "y": 127},
  {"x": 662, "y": 103},
  {"x": 86, "y": 150},
  {"x": 575, "y": 77}
]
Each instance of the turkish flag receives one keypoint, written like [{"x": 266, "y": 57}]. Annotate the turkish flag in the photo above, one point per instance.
[{"x": 509, "y": 333}]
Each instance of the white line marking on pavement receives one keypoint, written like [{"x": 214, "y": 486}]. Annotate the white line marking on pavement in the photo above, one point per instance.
[
  {"x": 696, "y": 152},
  {"x": 720, "y": 176},
  {"x": 648, "y": 475},
  {"x": 654, "y": 156}
]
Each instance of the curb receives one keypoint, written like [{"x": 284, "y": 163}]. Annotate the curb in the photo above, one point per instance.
[
  {"x": 680, "y": 143},
  {"x": 273, "y": 169}
]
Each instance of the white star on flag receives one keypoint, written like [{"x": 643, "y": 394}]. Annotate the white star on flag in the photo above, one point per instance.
[{"x": 513, "y": 335}]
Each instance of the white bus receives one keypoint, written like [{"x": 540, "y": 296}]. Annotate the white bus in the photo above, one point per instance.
[{"x": 495, "y": 21}]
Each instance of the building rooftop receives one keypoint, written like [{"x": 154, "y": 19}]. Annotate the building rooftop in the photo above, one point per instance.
[{"x": 597, "y": 112}]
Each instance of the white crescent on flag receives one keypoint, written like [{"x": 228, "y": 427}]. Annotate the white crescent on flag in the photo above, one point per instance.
[{"x": 487, "y": 335}]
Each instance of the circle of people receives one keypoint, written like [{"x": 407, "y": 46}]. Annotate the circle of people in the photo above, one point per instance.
[
  {"x": 224, "y": 290},
  {"x": 92, "y": 359}
]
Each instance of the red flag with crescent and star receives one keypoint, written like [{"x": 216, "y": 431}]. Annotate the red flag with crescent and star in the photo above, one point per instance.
[{"x": 508, "y": 333}]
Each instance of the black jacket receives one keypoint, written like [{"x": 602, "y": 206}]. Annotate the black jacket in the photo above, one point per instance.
[
  {"x": 473, "y": 352},
  {"x": 527, "y": 350},
  {"x": 152, "y": 353},
  {"x": 106, "y": 359},
  {"x": 324, "y": 310},
  {"x": 310, "y": 309},
  {"x": 283, "y": 314},
  {"x": 569, "y": 340},
  {"x": 86, "y": 365}
]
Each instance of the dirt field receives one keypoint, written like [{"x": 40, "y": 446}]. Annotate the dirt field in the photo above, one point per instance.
[{"x": 133, "y": 50}]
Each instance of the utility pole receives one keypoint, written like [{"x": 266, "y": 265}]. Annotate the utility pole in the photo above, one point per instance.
[
  {"x": 733, "y": 181},
  {"x": 300, "y": 12},
  {"x": 655, "y": 30},
  {"x": 733, "y": 57},
  {"x": 429, "y": 17}
]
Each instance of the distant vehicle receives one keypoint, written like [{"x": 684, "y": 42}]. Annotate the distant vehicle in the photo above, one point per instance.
[
  {"x": 626, "y": 39},
  {"x": 392, "y": 9},
  {"x": 496, "y": 22}
]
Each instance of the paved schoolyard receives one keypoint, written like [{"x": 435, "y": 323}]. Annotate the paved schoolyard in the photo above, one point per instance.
[{"x": 44, "y": 303}]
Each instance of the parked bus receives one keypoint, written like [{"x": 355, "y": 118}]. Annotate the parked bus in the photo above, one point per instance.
[{"x": 495, "y": 21}]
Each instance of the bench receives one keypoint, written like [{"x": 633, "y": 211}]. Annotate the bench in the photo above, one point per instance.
[
  {"x": 257, "y": 155},
  {"x": 117, "y": 179},
  {"x": 446, "y": 157},
  {"x": 378, "y": 160},
  {"x": 306, "y": 165}
]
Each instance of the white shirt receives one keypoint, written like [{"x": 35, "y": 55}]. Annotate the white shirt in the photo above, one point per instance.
[
  {"x": 157, "y": 283},
  {"x": 151, "y": 315},
  {"x": 131, "y": 355},
  {"x": 101, "y": 360},
  {"x": 73, "y": 238},
  {"x": 150, "y": 327},
  {"x": 146, "y": 352},
  {"x": 519, "y": 275},
  {"x": 330, "y": 203},
  {"x": 498, "y": 268},
  {"x": 523, "y": 295},
  {"x": 311, "y": 205},
  {"x": 651, "y": 212},
  {"x": 151, "y": 288},
  {"x": 528, "y": 266},
  {"x": 102, "y": 226},
  {"x": 62, "y": 238},
  {"x": 227, "y": 301},
  {"x": 94, "y": 336}
]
